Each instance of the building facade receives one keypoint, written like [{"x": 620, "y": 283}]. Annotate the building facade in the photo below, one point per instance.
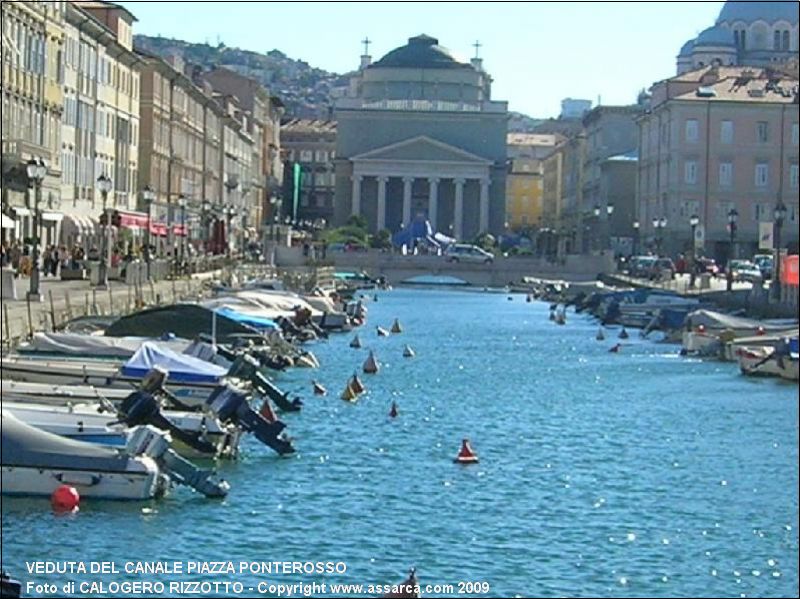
[
  {"x": 717, "y": 139},
  {"x": 525, "y": 183},
  {"x": 311, "y": 144},
  {"x": 420, "y": 137},
  {"x": 758, "y": 34},
  {"x": 32, "y": 104},
  {"x": 100, "y": 125}
]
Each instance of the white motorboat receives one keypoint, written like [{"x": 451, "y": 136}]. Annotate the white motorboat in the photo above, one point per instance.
[{"x": 36, "y": 462}]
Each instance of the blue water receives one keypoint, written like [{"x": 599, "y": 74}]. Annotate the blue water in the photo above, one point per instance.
[{"x": 630, "y": 474}]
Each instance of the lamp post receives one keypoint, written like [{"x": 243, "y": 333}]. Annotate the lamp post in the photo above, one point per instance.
[
  {"x": 36, "y": 170},
  {"x": 205, "y": 209},
  {"x": 636, "y": 226},
  {"x": 230, "y": 211},
  {"x": 104, "y": 185},
  {"x": 595, "y": 235},
  {"x": 148, "y": 196},
  {"x": 609, "y": 212},
  {"x": 733, "y": 216},
  {"x": 179, "y": 256},
  {"x": 659, "y": 224},
  {"x": 694, "y": 220},
  {"x": 780, "y": 215}
]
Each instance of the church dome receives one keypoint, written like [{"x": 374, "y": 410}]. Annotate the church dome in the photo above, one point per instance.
[
  {"x": 750, "y": 12},
  {"x": 686, "y": 49},
  {"x": 421, "y": 52},
  {"x": 715, "y": 36}
]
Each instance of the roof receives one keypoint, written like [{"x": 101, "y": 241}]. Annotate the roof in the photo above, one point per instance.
[
  {"x": 421, "y": 52},
  {"x": 531, "y": 139},
  {"x": 100, "y": 4},
  {"x": 686, "y": 49},
  {"x": 309, "y": 126},
  {"x": 715, "y": 36},
  {"x": 741, "y": 84},
  {"x": 750, "y": 12}
]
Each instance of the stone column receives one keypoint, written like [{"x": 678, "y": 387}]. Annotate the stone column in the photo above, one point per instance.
[
  {"x": 382, "y": 202},
  {"x": 407, "y": 183},
  {"x": 433, "y": 201},
  {"x": 357, "y": 194},
  {"x": 458, "y": 213},
  {"x": 484, "y": 204}
]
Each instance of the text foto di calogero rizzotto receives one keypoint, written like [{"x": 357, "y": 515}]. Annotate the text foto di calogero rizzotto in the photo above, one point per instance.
[{"x": 188, "y": 567}]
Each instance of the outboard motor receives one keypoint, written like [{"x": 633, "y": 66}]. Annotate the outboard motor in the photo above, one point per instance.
[
  {"x": 9, "y": 587},
  {"x": 141, "y": 407},
  {"x": 229, "y": 404},
  {"x": 154, "y": 443},
  {"x": 247, "y": 368}
]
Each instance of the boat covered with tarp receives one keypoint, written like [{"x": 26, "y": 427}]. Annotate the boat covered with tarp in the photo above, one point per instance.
[
  {"x": 182, "y": 368},
  {"x": 92, "y": 346}
]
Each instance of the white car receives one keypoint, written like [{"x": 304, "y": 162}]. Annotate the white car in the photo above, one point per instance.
[{"x": 461, "y": 252}]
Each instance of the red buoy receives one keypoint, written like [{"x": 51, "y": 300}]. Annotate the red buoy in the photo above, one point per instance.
[
  {"x": 65, "y": 499},
  {"x": 466, "y": 455},
  {"x": 393, "y": 411}
]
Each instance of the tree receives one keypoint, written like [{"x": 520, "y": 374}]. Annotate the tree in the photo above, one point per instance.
[
  {"x": 382, "y": 239},
  {"x": 358, "y": 221}
]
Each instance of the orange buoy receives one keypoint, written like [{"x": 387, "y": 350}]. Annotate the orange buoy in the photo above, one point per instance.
[
  {"x": 371, "y": 365},
  {"x": 393, "y": 411},
  {"x": 615, "y": 349},
  {"x": 65, "y": 499},
  {"x": 349, "y": 394},
  {"x": 319, "y": 389},
  {"x": 466, "y": 454},
  {"x": 356, "y": 385},
  {"x": 267, "y": 412}
]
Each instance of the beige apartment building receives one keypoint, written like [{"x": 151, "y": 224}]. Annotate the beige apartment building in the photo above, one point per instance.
[
  {"x": 310, "y": 143},
  {"x": 32, "y": 104},
  {"x": 717, "y": 139},
  {"x": 100, "y": 124},
  {"x": 525, "y": 180}
]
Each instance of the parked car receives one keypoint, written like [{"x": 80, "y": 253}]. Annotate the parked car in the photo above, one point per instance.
[
  {"x": 744, "y": 270},
  {"x": 662, "y": 268},
  {"x": 641, "y": 266},
  {"x": 765, "y": 263},
  {"x": 461, "y": 252}
]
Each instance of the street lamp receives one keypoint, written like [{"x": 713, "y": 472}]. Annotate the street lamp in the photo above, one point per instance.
[
  {"x": 659, "y": 224},
  {"x": 733, "y": 216},
  {"x": 694, "y": 220},
  {"x": 636, "y": 226},
  {"x": 36, "y": 170},
  {"x": 148, "y": 196},
  {"x": 780, "y": 215},
  {"x": 609, "y": 212},
  {"x": 230, "y": 211},
  {"x": 182, "y": 206},
  {"x": 206, "y": 208},
  {"x": 104, "y": 185}
]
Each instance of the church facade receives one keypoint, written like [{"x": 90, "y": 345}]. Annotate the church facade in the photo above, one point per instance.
[
  {"x": 757, "y": 34},
  {"x": 420, "y": 137}
]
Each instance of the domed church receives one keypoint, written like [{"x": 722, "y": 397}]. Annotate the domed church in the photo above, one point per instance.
[
  {"x": 420, "y": 139},
  {"x": 758, "y": 34}
]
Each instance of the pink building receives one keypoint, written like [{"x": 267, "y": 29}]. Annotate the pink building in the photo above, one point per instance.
[{"x": 717, "y": 139}]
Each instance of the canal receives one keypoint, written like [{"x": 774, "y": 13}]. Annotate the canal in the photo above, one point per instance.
[{"x": 639, "y": 473}]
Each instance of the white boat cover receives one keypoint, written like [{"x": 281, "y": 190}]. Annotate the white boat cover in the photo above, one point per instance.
[
  {"x": 92, "y": 345},
  {"x": 182, "y": 367},
  {"x": 717, "y": 320}
]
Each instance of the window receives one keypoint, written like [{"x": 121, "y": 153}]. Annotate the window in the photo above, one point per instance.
[
  {"x": 762, "y": 131},
  {"x": 723, "y": 209},
  {"x": 776, "y": 45},
  {"x": 689, "y": 208},
  {"x": 762, "y": 212},
  {"x": 786, "y": 40},
  {"x": 322, "y": 156},
  {"x": 306, "y": 156},
  {"x": 726, "y": 132},
  {"x": 795, "y": 133},
  {"x": 725, "y": 174},
  {"x": 793, "y": 182},
  {"x": 762, "y": 174},
  {"x": 690, "y": 172},
  {"x": 691, "y": 130}
]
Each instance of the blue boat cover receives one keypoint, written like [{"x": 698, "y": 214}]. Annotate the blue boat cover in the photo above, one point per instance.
[
  {"x": 794, "y": 347},
  {"x": 257, "y": 322},
  {"x": 182, "y": 368}
]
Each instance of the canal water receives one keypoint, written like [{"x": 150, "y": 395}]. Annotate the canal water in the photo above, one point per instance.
[{"x": 639, "y": 473}]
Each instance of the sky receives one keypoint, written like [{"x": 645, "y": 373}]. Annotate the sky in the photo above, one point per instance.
[{"x": 537, "y": 52}]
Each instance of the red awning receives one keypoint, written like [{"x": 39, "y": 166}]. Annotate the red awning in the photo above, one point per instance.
[
  {"x": 159, "y": 229},
  {"x": 130, "y": 220},
  {"x": 179, "y": 230}
]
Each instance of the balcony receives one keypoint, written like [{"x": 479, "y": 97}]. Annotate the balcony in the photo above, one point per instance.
[{"x": 16, "y": 151}]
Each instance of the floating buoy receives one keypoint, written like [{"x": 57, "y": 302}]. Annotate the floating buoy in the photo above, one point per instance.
[
  {"x": 528, "y": 298},
  {"x": 375, "y": 298},
  {"x": 511, "y": 299},
  {"x": 319, "y": 389},
  {"x": 561, "y": 318},
  {"x": 600, "y": 334},
  {"x": 396, "y": 328},
  {"x": 371, "y": 364},
  {"x": 349, "y": 394},
  {"x": 552, "y": 314},
  {"x": 356, "y": 342},
  {"x": 65, "y": 499},
  {"x": 393, "y": 411},
  {"x": 466, "y": 455},
  {"x": 266, "y": 412},
  {"x": 408, "y": 352},
  {"x": 615, "y": 349},
  {"x": 356, "y": 385},
  {"x": 382, "y": 332},
  {"x": 623, "y": 334}
]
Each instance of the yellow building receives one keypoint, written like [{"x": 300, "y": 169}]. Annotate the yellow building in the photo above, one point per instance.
[
  {"x": 32, "y": 104},
  {"x": 524, "y": 184}
]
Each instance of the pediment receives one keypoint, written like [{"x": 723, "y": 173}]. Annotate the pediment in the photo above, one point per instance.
[{"x": 421, "y": 148}]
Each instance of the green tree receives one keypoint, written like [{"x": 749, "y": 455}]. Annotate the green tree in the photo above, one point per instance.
[
  {"x": 357, "y": 220},
  {"x": 382, "y": 239}
]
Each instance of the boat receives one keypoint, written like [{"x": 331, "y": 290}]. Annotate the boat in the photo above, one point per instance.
[
  {"x": 706, "y": 332},
  {"x": 781, "y": 361},
  {"x": 35, "y": 462}
]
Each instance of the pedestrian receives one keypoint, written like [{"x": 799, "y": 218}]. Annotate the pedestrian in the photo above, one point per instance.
[
  {"x": 54, "y": 262},
  {"x": 48, "y": 256}
]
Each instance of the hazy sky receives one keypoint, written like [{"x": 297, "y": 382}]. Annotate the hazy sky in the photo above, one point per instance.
[{"x": 537, "y": 53}]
